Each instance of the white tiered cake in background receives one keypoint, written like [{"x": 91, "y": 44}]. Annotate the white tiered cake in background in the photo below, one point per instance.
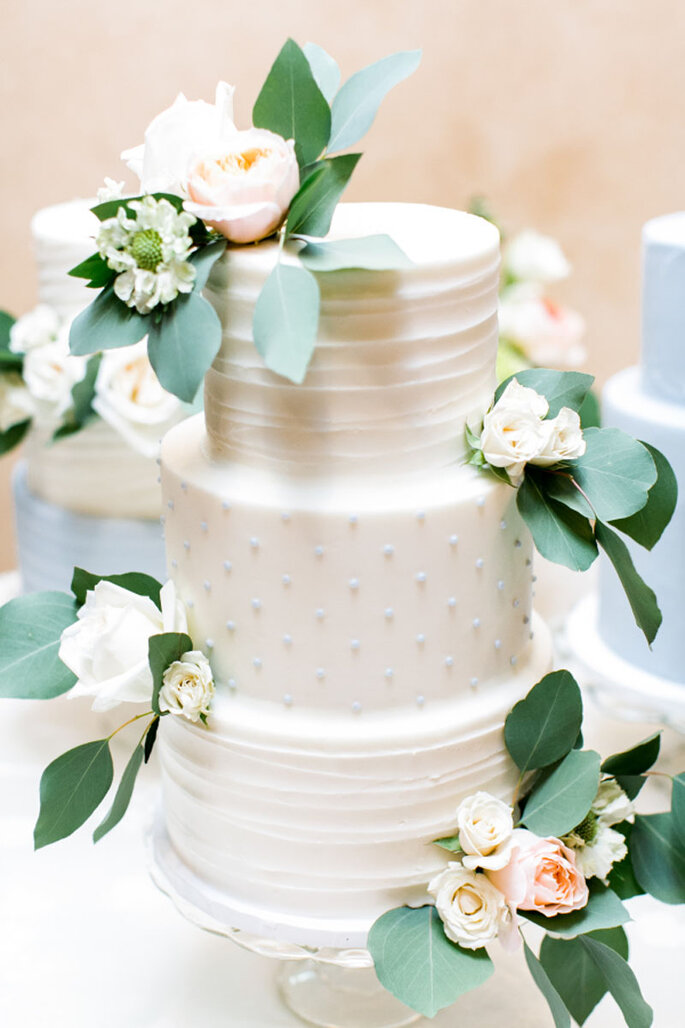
[
  {"x": 648, "y": 402},
  {"x": 363, "y": 594},
  {"x": 88, "y": 499}
]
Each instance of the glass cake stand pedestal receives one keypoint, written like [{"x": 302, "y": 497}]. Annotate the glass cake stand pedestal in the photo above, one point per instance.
[{"x": 326, "y": 979}]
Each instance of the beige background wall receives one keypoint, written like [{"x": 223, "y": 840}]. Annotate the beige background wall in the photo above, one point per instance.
[{"x": 566, "y": 114}]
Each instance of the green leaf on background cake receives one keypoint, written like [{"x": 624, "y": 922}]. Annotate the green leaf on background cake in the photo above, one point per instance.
[
  {"x": 602, "y": 910},
  {"x": 573, "y": 972},
  {"x": 13, "y": 436},
  {"x": 6, "y": 322},
  {"x": 560, "y": 388},
  {"x": 590, "y": 412},
  {"x": 510, "y": 360},
  {"x": 641, "y": 598},
  {"x": 620, "y": 981},
  {"x": 356, "y": 104},
  {"x": 82, "y": 396},
  {"x": 555, "y": 1003},
  {"x": 658, "y": 857},
  {"x": 636, "y": 760},
  {"x": 418, "y": 964},
  {"x": 622, "y": 878},
  {"x": 95, "y": 270},
  {"x": 450, "y": 843},
  {"x": 134, "y": 581},
  {"x": 71, "y": 789},
  {"x": 312, "y": 206},
  {"x": 30, "y": 628},
  {"x": 203, "y": 260},
  {"x": 291, "y": 104},
  {"x": 286, "y": 321},
  {"x": 646, "y": 526},
  {"x": 163, "y": 650},
  {"x": 183, "y": 343},
  {"x": 563, "y": 799},
  {"x": 373, "y": 253},
  {"x": 543, "y": 727},
  {"x": 559, "y": 533},
  {"x": 123, "y": 795},
  {"x": 108, "y": 208},
  {"x": 106, "y": 324},
  {"x": 9, "y": 361},
  {"x": 678, "y": 805},
  {"x": 616, "y": 473},
  {"x": 324, "y": 69}
]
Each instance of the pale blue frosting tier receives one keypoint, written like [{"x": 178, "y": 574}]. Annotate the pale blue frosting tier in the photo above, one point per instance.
[
  {"x": 51, "y": 541},
  {"x": 663, "y": 307}
]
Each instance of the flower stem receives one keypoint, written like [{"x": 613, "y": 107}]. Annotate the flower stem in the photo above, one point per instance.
[{"x": 137, "y": 717}]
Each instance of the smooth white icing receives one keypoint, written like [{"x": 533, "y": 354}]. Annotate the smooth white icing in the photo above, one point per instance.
[{"x": 663, "y": 310}]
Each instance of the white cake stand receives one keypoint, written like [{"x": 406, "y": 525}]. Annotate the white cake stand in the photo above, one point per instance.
[{"x": 325, "y": 978}]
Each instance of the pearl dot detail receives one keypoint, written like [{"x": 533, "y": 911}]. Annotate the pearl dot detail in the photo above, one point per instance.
[
  {"x": 254, "y": 542},
  {"x": 186, "y": 544},
  {"x": 320, "y": 673},
  {"x": 257, "y": 661},
  {"x": 518, "y": 544},
  {"x": 225, "y": 505},
  {"x": 353, "y": 519},
  {"x": 228, "y": 566},
  {"x": 452, "y": 601},
  {"x": 474, "y": 682},
  {"x": 230, "y": 625},
  {"x": 516, "y": 603},
  {"x": 502, "y": 524},
  {"x": 353, "y": 583},
  {"x": 449, "y": 661},
  {"x": 318, "y": 551},
  {"x": 288, "y": 700},
  {"x": 287, "y": 639},
  {"x": 286, "y": 579},
  {"x": 184, "y": 486},
  {"x": 174, "y": 563},
  {"x": 207, "y": 585},
  {"x": 209, "y": 644},
  {"x": 420, "y": 638},
  {"x": 480, "y": 502},
  {"x": 420, "y": 515},
  {"x": 454, "y": 539},
  {"x": 354, "y": 644},
  {"x": 285, "y": 516},
  {"x": 388, "y": 672},
  {"x": 420, "y": 700},
  {"x": 203, "y": 526},
  {"x": 421, "y": 577},
  {"x": 512, "y": 661},
  {"x": 389, "y": 613},
  {"x": 162, "y": 520},
  {"x": 319, "y": 613},
  {"x": 498, "y": 644},
  {"x": 256, "y": 603},
  {"x": 479, "y": 563},
  {"x": 356, "y": 707},
  {"x": 476, "y": 622},
  {"x": 388, "y": 550},
  {"x": 500, "y": 585},
  {"x": 170, "y": 504},
  {"x": 231, "y": 683}
]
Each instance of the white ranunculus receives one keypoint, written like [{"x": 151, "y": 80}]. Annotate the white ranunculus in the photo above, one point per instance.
[
  {"x": 37, "y": 328},
  {"x": 187, "y": 686},
  {"x": 107, "y": 647},
  {"x": 596, "y": 857},
  {"x": 513, "y": 431},
  {"x": 179, "y": 135},
  {"x": 50, "y": 372},
  {"x": 564, "y": 439},
  {"x": 485, "y": 826},
  {"x": 128, "y": 397},
  {"x": 16, "y": 403},
  {"x": 548, "y": 334},
  {"x": 532, "y": 257},
  {"x": 472, "y": 910}
]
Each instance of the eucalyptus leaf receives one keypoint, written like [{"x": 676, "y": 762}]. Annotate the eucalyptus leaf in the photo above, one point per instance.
[
  {"x": 620, "y": 981},
  {"x": 135, "y": 581},
  {"x": 590, "y": 412},
  {"x": 603, "y": 910},
  {"x": 151, "y": 737},
  {"x": 560, "y": 388},
  {"x": 543, "y": 727},
  {"x": 13, "y": 436},
  {"x": 563, "y": 799},
  {"x": 324, "y": 69},
  {"x": 560, "y": 534},
  {"x": 678, "y": 806},
  {"x": 106, "y": 324},
  {"x": 96, "y": 270},
  {"x": 11, "y": 361},
  {"x": 631, "y": 784},
  {"x": 108, "y": 208},
  {"x": 123, "y": 795},
  {"x": 163, "y": 650},
  {"x": 450, "y": 843},
  {"x": 312, "y": 206},
  {"x": 647, "y": 525},
  {"x": 204, "y": 259},
  {"x": 560, "y": 486},
  {"x": 82, "y": 396},
  {"x": 636, "y": 760},
  {"x": 374, "y": 253},
  {"x": 356, "y": 104},
  {"x": 71, "y": 789},
  {"x": 286, "y": 321},
  {"x": 573, "y": 972},
  {"x": 641, "y": 598},
  {"x": 31, "y": 628},
  {"x": 6, "y": 322},
  {"x": 554, "y": 1001},
  {"x": 291, "y": 104},
  {"x": 616, "y": 473},
  {"x": 658, "y": 856},
  {"x": 622, "y": 878},
  {"x": 418, "y": 964},
  {"x": 183, "y": 344}
]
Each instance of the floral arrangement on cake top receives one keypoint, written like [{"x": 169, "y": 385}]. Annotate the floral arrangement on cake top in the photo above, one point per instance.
[{"x": 206, "y": 185}]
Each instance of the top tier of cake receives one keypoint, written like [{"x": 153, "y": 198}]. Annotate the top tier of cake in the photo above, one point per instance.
[
  {"x": 395, "y": 374},
  {"x": 63, "y": 236},
  {"x": 663, "y": 307}
]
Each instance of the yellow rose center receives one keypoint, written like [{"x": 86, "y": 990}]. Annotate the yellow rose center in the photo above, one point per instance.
[{"x": 240, "y": 163}]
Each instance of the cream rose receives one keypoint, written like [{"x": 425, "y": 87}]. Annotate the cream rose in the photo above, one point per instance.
[
  {"x": 37, "y": 328},
  {"x": 513, "y": 431},
  {"x": 550, "y": 335},
  {"x": 485, "y": 826},
  {"x": 473, "y": 911},
  {"x": 541, "y": 875},
  {"x": 564, "y": 440},
  {"x": 244, "y": 189},
  {"x": 50, "y": 372},
  {"x": 187, "y": 686},
  {"x": 16, "y": 404},
  {"x": 107, "y": 647},
  {"x": 532, "y": 257},
  {"x": 128, "y": 397}
]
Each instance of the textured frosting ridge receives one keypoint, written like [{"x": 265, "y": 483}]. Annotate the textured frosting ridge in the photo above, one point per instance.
[{"x": 63, "y": 236}]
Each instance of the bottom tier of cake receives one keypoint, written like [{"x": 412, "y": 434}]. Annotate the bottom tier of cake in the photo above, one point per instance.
[{"x": 305, "y": 826}]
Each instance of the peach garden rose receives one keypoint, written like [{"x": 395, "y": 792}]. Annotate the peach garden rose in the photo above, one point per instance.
[{"x": 542, "y": 876}]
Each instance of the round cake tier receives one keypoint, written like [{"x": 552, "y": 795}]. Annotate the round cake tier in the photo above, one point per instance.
[
  {"x": 402, "y": 358},
  {"x": 663, "y": 310},
  {"x": 306, "y": 827},
  {"x": 63, "y": 236},
  {"x": 350, "y": 597}
]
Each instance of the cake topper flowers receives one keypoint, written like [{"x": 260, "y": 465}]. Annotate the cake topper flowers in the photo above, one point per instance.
[{"x": 205, "y": 185}]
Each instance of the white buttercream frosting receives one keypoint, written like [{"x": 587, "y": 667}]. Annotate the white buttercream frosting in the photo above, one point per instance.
[{"x": 63, "y": 236}]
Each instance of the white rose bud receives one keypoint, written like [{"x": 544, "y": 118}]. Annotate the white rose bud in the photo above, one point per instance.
[
  {"x": 188, "y": 686},
  {"x": 472, "y": 910},
  {"x": 485, "y": 826},
  {"x": 564, "y": 439},
  {"x": 107, "y": 647},
  {"x": 611, "y": 803},
  {"x": 37, "y": 328},
  {"x": 513, "y": 431},
  {"x": 532, "y": 257},
  {"x": 16, "y": 404}
]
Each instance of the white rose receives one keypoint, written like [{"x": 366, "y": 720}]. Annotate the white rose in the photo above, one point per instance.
[
  {"x": 611, "y": 803},
  {"x": 564, "y": 439},
  {"x": 532, "y": 257},
  {"x": 549, "y": 335},
  {"x": 188, "y": 686},
  {"x": 485, "y": 826},
  {"x": 513, "y": 431},
  {"x": 175, "y": 137},
  {"x": 107, "y": 647},
  {"x": 596, "y": 857},
  {"x": 16, "y": 404},
  {"x": 50, "y": 372},
  {"x": 128, "y": 397},
  {"x": 472, "y": 910},
  {"x": 37, "y": 328}
]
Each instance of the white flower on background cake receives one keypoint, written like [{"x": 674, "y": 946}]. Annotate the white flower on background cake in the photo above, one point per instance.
[
  {"x": 50, "y": 372},
  {"x": 485, "y": 826},
  {"x": 111, "y": 190},
  {"x": 473, "y": 911},
  {"x": 542, "y": 875},
  {"x": 187, "y": 687},
  {"x": 128, "y": 397},
  {"x": 150, "y": 251},
  {"x": 534, "y": 257},
  {"x": 36, "y": 328},
  {"x": 547, "y": 334},
  {"x": 16, "y": 402},
  {"x": 107, "y": 647}
]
